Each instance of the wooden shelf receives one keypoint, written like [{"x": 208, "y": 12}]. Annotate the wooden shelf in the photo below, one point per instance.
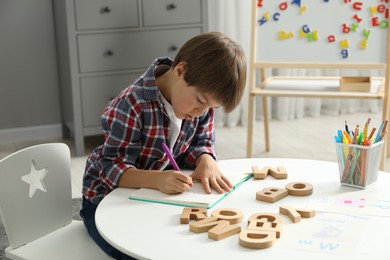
[{"x": 315, "y": 87}]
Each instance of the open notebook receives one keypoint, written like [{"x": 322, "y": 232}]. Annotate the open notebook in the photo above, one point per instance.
[{"x": 195, "y": 197}]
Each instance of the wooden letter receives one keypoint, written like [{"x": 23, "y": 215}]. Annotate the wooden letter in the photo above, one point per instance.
[
  {"x": 299, "y": 188},
  {"x": 296, "y": 214},
  {"x": 206, "y": 224},
  {"x": 217, "y": 229},
  {"x": 257, "y": 239},
  {"x": 271, "y": 194},
  {"x": 192, "y": 214},
  {"x": 257, "y": 174},
  {"x": 223, "y": 231},
  {"x": 279, "y": 173},
  {"x": 232, "y": 215},
  {"x": 266, "y": 222}
]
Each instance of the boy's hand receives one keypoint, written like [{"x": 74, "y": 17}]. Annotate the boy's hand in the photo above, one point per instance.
[
  {"x": 171, "y": 182},
  {"x": 208, "y": 173}
]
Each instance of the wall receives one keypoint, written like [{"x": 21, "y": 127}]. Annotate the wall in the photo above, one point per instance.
[{"x": 29, "y": 92}]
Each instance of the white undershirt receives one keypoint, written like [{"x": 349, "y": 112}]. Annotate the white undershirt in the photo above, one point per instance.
[{"x": 174, "y": 126}]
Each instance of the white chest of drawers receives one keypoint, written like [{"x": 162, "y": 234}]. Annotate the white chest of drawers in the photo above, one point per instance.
[{"x": 103, "y": 45}]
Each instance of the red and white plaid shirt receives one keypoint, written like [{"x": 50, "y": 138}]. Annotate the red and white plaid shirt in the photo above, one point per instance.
[{"x": 135, "y": 125}]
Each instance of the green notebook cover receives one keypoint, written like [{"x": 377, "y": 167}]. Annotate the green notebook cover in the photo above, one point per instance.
[{"x": 195, "y": 198}]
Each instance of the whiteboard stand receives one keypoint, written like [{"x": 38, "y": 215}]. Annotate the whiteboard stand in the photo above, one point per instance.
[{"x": 308, "y": 86}]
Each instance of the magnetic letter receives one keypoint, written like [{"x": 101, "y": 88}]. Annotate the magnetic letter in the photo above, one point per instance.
[
  {"x": 305, "y": 29},
  {"x": 296, "y": 2},
  {"x": 302, "y": 34},
  {"x": 375, "y": 21},
  {"x": 357, "y": 6},
  {"x": 266, "y": 15},
  {"x": 384, "y": 24},
  {"x": 357, "y": 18},
  {"x": 344, "y": 53},
  {"x": 344, "y": 44},
  {"x": 373, "y": 10},
  {"x": 283, "y": 6},
  {"x": 303, "y": 9},
  {"x": 346, "y": 29},
  {"x": 363, "y": 44},
  {"x": 331, "y": 38},
  {"x": 381, "y": 8},
  {"x": 276, "y": 16},
  {"x": 312, "y": 36},
  {"x": 354, "y": 26},
  {"x": 282, "y": 35},
  {"x": 366, "y": 33},
  {"x": 262, "y": 21}
]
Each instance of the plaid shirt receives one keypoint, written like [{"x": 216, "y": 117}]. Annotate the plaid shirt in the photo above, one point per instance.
[{"x": 135, "y": 125}]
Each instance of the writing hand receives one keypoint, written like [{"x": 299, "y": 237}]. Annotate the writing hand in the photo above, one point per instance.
[{"x": 172, "y": 182}]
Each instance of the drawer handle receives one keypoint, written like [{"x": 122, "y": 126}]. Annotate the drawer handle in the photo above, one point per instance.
[
  {"x": 108, "y": 53},
  {"x": 105, "y": 10},
  {"x": 172, "y": 48},
  {"x": 171, "y": 6}
]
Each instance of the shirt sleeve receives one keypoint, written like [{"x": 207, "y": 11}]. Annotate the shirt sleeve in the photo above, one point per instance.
[
  {"x": 121, "y": 122},
  {"x": 204, "y": 139}
]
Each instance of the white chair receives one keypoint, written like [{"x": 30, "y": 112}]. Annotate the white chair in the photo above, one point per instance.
[{"x": 36, "y": 206}]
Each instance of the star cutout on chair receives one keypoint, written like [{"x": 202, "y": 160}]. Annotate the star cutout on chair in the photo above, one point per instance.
[{"x": 35, "y": 179}]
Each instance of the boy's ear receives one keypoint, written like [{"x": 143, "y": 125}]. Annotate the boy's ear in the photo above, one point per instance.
[{"x": 180, "y": 69}]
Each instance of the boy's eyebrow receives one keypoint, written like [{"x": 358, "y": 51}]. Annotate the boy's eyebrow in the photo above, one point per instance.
[{"x": 208, "y": 103}]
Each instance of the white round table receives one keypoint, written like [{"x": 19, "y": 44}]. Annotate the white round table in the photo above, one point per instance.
[{"x": 350, "y": 223}]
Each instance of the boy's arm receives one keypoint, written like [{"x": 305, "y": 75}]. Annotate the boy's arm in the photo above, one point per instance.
[
  {"x": 121, "y": 124},
  {"x": 203, "y": 140},
  {"x": 202, "y": 156},
  {"x": 169, "y": 182}
]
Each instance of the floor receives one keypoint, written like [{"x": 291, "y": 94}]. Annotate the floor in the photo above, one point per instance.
[{"x": 309, "y": 138}]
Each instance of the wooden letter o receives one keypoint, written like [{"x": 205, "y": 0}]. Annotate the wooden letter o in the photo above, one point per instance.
[
  {"x": 234, "y": 216},
  {"x": 299, "y": 188}
]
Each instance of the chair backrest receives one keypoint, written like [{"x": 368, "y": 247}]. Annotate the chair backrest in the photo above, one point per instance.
[{"x": 35, "y": 192}]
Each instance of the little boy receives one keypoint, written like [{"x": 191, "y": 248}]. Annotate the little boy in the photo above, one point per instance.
[{"x": 172, "y": 103}]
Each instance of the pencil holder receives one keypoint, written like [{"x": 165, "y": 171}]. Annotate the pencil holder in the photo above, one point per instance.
[{"x": 359, "y": 164}]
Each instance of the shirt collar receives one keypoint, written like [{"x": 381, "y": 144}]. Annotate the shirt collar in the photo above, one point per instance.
[{"x": 151, "y": 91}]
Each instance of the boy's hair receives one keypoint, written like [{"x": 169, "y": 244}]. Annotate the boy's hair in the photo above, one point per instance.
[{"x": 215, "y": 65}]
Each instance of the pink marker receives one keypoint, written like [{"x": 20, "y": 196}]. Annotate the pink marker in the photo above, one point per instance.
[{"x": 170, "y": 157}]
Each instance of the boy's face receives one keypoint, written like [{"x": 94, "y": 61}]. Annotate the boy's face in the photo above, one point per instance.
[{"x": 187, "y": 101}]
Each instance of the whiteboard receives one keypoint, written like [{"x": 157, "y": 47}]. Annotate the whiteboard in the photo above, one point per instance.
[{"x": 322, "y": 18}]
